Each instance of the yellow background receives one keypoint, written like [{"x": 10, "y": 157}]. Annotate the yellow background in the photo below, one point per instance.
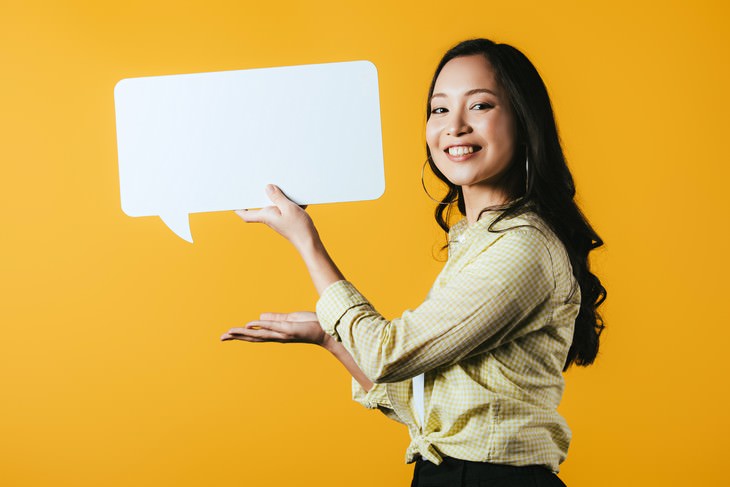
[{"x": 111, "y": 368}]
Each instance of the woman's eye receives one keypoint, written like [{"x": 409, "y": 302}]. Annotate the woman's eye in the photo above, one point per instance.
[
  {"x": 438, "y": 110},
  {"x": 482, "y": 106}
]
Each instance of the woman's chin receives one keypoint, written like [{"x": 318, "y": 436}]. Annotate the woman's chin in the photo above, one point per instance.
[{"x": 461, "y": 180}]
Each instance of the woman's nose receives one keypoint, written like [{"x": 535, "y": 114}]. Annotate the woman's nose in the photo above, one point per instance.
[{"x": 457, "y": 124}]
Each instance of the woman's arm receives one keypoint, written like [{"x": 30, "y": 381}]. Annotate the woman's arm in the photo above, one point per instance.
[
  {"x": 502, "y": 294},
  {"x": 293, "y": 223},
  {"x": 297, "y": 327},
  {"x": 340, "y": 352}
]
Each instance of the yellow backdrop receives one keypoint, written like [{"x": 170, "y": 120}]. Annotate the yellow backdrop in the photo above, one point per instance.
[{"x": 111, "y": 368}]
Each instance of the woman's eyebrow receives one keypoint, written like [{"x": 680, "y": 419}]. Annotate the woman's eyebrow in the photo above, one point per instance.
[{"x": 468, "y": 93}]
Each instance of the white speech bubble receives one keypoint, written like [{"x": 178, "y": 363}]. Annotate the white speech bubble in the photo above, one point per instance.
[{"x": 211, "y": 141}]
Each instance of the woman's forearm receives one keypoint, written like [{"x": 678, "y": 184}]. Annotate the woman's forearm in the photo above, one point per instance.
[
  {"x": 293, "y": 223},
  {"x": 340, "y": 352},
  {"x": 322, "y": 269},
  {"x": 324, "y": 272}
]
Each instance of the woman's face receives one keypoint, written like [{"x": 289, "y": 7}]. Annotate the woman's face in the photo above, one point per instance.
[{"x": 471, "y": 129}]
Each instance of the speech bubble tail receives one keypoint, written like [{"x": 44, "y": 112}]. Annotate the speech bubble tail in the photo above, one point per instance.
[{"x": 179, "y": 223}]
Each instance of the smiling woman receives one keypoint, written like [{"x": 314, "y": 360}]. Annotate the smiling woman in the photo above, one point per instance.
[
  {"x": 471, "y": 131},
  {"x": 514, "y": 306}
]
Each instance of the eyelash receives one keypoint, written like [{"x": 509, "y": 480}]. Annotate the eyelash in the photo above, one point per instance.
[{"x": 476, "y": 104}]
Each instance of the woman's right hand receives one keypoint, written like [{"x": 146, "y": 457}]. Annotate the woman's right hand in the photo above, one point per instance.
[
  {"x": 285, "y": 217},
  {"x": 297, "y": 327}
]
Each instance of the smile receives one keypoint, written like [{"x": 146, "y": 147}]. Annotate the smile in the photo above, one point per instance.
[{"x": 460, "y": 150}]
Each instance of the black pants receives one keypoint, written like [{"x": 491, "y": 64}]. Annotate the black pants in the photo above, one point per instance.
[{"x": 453, "y": 472}]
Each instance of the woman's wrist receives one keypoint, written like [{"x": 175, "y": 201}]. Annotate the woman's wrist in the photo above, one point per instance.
[
  {"x": 322, "y": 269},
  {"x": 308, "y": 245}
]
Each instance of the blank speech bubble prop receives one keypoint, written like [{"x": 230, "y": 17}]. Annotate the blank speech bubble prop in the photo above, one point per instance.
[{"x": 203, "y": 142}]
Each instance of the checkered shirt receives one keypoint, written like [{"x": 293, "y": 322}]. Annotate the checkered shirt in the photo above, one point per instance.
[{"x": 491, "y": 339}]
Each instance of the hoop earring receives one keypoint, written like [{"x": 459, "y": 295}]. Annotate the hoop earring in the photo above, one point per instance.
[
  {"x": 527, "y": 172},
  {"x": 423, "y": 169}
]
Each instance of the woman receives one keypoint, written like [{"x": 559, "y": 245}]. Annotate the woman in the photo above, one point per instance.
[{"x": 475, "y": 372}]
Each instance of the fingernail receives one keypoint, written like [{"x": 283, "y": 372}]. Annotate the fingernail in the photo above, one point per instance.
[{"x": 270, "y": 188}]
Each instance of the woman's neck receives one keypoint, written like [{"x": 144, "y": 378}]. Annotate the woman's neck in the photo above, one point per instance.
[{"x": 476, "y": 198}]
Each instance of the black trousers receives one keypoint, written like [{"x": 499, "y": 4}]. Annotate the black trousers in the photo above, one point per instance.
[{"x": 453, "y": 472}]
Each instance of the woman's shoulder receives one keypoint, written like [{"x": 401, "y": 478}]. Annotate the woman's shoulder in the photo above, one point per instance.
[
  {"x": 528, "y": 229},
  {"x": 534, "y": 228}
]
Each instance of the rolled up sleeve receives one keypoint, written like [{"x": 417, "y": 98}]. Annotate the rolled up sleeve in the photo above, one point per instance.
[
  {"x": 334, "y": 302},
  {"x": 374, "y": 398}
]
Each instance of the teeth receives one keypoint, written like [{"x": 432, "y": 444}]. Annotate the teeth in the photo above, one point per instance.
[{"x": 461, "y": 150}]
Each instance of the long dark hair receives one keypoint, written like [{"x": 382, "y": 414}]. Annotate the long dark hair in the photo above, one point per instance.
[{"x": 549, "y": 190}]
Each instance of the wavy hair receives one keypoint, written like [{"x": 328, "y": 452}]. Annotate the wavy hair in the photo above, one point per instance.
[{"x": 550, "y": 190}]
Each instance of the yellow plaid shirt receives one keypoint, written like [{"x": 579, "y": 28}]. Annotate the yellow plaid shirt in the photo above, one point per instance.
[{"x": 491, "y": 337}]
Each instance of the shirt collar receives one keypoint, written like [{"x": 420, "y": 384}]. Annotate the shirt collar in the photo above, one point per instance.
[{"x": 461, "y": 230}]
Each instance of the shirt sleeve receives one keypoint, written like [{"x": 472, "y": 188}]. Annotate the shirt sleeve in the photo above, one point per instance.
[
  {"x": 488, "y": 302},
  {"x": 375, "y": 398},
  {"x": 372, "y": 399}
]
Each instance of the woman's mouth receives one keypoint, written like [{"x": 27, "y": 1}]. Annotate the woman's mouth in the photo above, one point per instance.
[{"x": 461, "y": 152}]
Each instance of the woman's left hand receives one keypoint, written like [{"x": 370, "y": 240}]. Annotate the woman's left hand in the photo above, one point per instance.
[
  {"x": 286, "y": 218},
  {"x": 297, "y": 327}
]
